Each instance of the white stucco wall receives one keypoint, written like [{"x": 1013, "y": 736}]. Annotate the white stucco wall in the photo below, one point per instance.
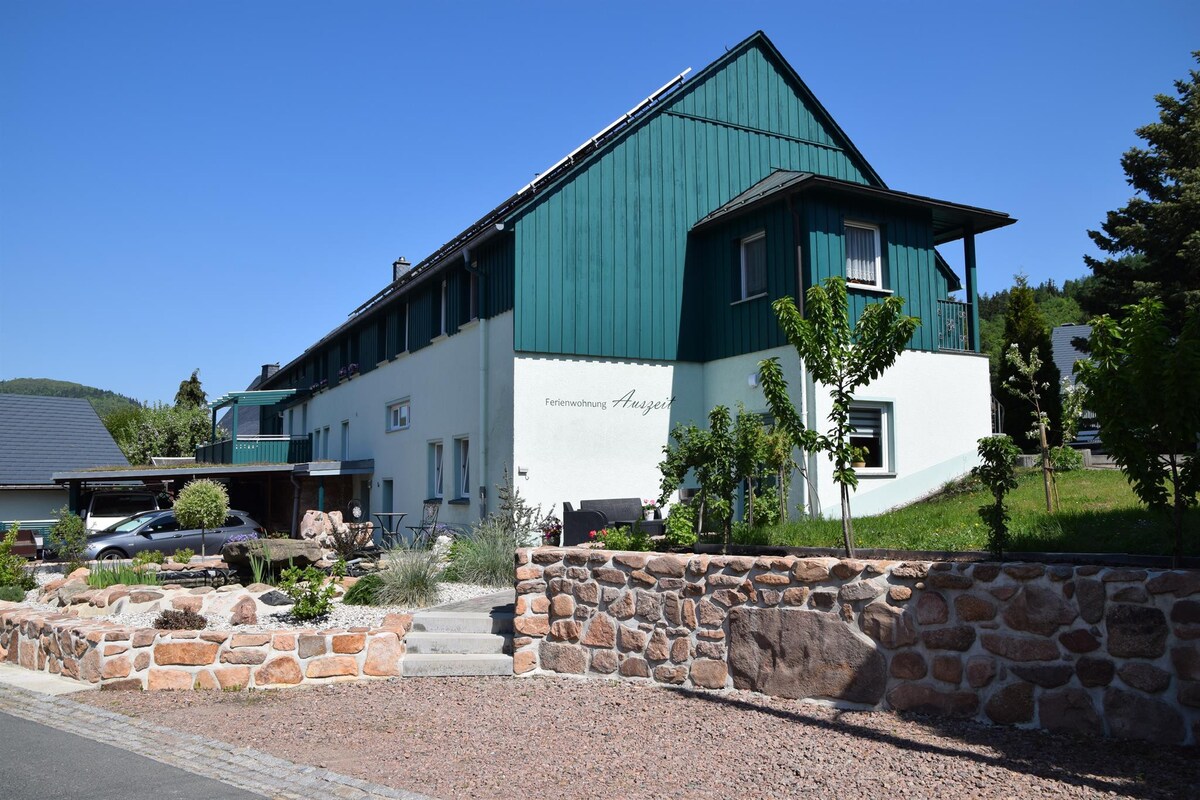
[
  {"x": 443, "y": 384},
  {"x": 30, "y": 504}
]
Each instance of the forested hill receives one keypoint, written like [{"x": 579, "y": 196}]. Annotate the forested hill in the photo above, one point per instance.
[{"x": 104, "y": 401}]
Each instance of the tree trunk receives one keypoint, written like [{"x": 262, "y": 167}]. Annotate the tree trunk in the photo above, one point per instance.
[
  {"x": 750, "y": 502},
  {"x": 202, "y": 553},
  {"x": 847, "y": 527},
  {"x": 1047, "y": 470},
  {"x": 783, "y": 514},
  {"x": 1177, "y": 551}
]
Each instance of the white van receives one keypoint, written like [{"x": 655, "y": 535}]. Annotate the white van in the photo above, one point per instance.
[{"x": 105, "y": 507}]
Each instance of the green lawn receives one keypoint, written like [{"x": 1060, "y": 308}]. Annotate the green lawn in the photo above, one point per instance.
[{"x": 1099, "y": 514}]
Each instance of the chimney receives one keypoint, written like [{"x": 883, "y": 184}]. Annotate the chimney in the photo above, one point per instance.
[
  {"x": 268, "y": 370},
  {"x": 399, "y": 267}
]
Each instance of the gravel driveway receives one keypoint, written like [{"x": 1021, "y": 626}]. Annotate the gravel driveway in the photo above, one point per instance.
[{"x": 556, "y": 737}]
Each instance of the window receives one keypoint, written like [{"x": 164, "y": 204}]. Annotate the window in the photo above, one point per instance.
[
  {"x": 442, "y": 312},
  {"x": 435, "y": 470},
  {"x": 345, "y": 456},
  {"x": 397, "y": 415},
  {"x": 462, "y": 459},
  {"x": 325, "y": 443},
  {"x": 872, "y": 432},
  {"x": 753, "y": 256},
  {"x": 862, "y": 255},
  {"x": 385, "y": 502}
]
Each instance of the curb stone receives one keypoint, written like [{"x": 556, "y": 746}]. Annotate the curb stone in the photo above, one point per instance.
[{"x": 242, "y": 767}]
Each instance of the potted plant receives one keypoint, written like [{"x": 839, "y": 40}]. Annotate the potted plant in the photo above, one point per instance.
[{"x": 858, "y": 456}]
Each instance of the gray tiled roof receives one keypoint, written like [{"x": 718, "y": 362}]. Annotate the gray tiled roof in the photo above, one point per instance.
[
  {"x": 43, "y": 435},
  {"x": 1065, "y": 353}
]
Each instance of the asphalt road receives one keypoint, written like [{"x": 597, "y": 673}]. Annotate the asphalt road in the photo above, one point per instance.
[{"x": 41, "y": 763}]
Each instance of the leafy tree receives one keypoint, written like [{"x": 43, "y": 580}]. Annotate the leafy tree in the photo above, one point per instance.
[
  {"x": 842, "y": 358},
  {"x": 1161, "y": 222},
  {"x": 68, "y": 537},
  {"x": 748, "y": 437},
  {"x": 160, "y": 430},
  {"x": 1143, "y": 384},
  {"x": 190, "y": 394},
  {"x": 102, "y": 400},
  {"x": 202, "y": 504},
  {"x": 997, "y": 470},
  {"x": 1025, "y": 327},
  {"x": 1024, "y": 385}
]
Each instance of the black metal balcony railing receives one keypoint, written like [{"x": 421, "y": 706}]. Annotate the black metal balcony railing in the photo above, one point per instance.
[
  {"x": 952, "y": 326},
  {"x": 257, "y": 450}
]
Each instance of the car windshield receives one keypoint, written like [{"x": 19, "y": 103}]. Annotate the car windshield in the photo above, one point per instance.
[
  {"x": 121, "y": 505},
  {"x": 126, "y": 525}
]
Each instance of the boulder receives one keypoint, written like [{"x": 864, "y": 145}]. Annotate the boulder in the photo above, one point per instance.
[
  {"x": 279, "y": 553},
  {"x": 1069, "y": 711},
  {"x": 801, "y": 654},
  {"x": 1133, "y": 716},
  {"x": 245, "y": 612}
]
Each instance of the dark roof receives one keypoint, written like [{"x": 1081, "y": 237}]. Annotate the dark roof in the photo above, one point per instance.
[
  {"x": 950, "y": 220},
  {"x": 1063, "y": 349},
  {"x": 43, "y": 435}
]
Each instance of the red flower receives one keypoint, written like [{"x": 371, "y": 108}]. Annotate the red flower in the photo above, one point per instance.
[{"x": 592, "y": 535}]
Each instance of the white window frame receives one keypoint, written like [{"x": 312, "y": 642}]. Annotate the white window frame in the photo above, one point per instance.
[
  {"x": 437, "y": 465},
  {"x": 873, "y": 228},
  {"x": 402, "y": 410},
  {"x": 462, "y": 456},
  {"x": 887, "y": 436},
  {"x": 745, "y": 240},
  {"x": 345, "y": 440}
]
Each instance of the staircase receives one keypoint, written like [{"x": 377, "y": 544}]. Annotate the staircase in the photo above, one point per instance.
[{"x": 470, "y": 638}]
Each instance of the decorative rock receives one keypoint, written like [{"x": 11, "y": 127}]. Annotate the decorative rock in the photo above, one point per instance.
[
  {"x": 1079, "y": 641},
  {"x": 631, "y": 638},
  {"x": 275, "y": 598},
  {"x": 973, "y": 608},
  {"x": 908, "y": 665},
  {"x": 631, "y": 560},
  {"x": 932, "y": 608},
  {"x": 824, "y": 599},
  {"x": 927, "y": 700},
  {"x": 283, "y": 669},
  {"x": 948, "y": 580},
  {"x": 1144, "y": 677},
  {"x": 1038, "y": 609},
  {"x": 709, "y": 673},
  {"x": 283, "y": 641},
  {"x": 958, "y": 638},
  {"x": 1089, "y": 594},
  {"x": 1131, "y": 716},
  {"x": 1048, "y": 676},
  {"x": 604, "y": 661},
  {"x": 1124, "y": 576},
  {"x": 915, "y": 570},
  {"x": 847, "y": 569},
  {"x": 144, "y": 596},
  {"x": 184, "y": 653},
  {"x": 383, "y": 656},
  {"x": 168, "y": 679},
  {"x": 565, "y": 629},
  {"x": 231, "y": 678},
  {"x": 668, "y": 566},
  {"x": 1185, "y": 615},
  {"x": 649, "y": 605},
  {"x": 985, "y": 572},
  {"x": 796, "y": 595},
  {"x": 859, "y": 590},
  {"x": 1130, "y": 594},
  {"x": 601, "y": 632},
  {"x": 1094, "y": 671},
  {"x": 244, "y": 612},
  {"x": 810, "y": 570},
  {"x": 1020, "y": 648},
  {"x": 1136, "y": 631},
  {"x": 1186, "y": 661},
  {"x": 332, "y": 667},
  {"x": 610, "y": 575},
  {"x": 681, "y": 650},
  {"x": 948, "y": 669},
  {"x": 250, "y": 640},
  {"x": 710, "y": 613},
  {"x": 243, "y": 656},
  {"x": 658, "y": 648},
  {"x": 624, "y": 606},
  {"x": 562, "y": 605},
  {"x": 118, "y": 667},
  {"x": 799, "y": 654},
  {"x": 1181, "y": 584},
  {"x": 141, "y": 661},
  {"x": 899, "y": 593},
  {"x": 536, "y": 625},
  {"x": 635, "y": 668},
  {"x": 772, "y": 579},
  {"x": 1024, "y": 572},
  {"x": 1189, "y": 695},
  {"x": 187, "y": 603},
  {"x": 891, "y": 627},
  {"x": 669, "y": 674},
  {"x": 310, "y": 645},
  {"x": 1011, "y": 705},
  {"x": 349, "y": 642},
  {"x": 1069, "y": 711},
  {"x": 981, "y": 670},
  {"x": 279, "y": 554}
]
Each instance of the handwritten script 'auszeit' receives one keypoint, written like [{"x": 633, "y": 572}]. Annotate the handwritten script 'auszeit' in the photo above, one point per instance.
[{"x": 626, "y": 402}]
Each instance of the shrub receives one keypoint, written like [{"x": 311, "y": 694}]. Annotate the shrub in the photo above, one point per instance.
[
  {"x": 624, "y": 537},
  {"x": 68, "y": 537},
  {"x": 13, "y": 594},
  {"x": 485, "y": 556},
  {"x": 148, "y": 557},
  {"x": 180, "y": 621},
  {"x": 312, "y": 597},
  {"x": 999, "y": 456},
  {"x": 202, "y": 504},
  {"x": 681, "y": 525},
  {"x": 183, "y": 555},
  {"x": 766, "y": 507},
  {"x": 12, "y": 566},
  {"x": 1065, "y": 459},
  {"x": 105, "y": 575},
  {"x": 411, "y": 578},
  {"x": 349, "y": 538},
  {"x": 365, "y": 592}
]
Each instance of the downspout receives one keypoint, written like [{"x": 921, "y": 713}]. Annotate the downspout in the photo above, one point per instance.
[
  {"x": 295, "y": 507},
  {"x": 483, "y": 383}
]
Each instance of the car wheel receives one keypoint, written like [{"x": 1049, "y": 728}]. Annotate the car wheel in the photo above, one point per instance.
[{"x": 111, "y": 555}]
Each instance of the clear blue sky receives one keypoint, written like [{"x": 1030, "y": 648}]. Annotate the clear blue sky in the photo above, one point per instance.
[{"x": 217, "y": 184}]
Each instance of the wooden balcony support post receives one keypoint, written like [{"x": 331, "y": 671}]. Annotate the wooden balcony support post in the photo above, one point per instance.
[{"x": 972, "y": 289}]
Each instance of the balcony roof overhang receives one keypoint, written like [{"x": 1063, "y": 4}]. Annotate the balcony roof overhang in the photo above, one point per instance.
[
  {"x": 259, "y": 397},
  {"x": 314, "y": 469}
]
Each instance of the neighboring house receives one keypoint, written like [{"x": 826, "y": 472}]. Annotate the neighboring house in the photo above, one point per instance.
[
  {"x": 38, "y": 437},
  {"x": 1064, "y": 349},
  {"x": 627, "y": 290}
]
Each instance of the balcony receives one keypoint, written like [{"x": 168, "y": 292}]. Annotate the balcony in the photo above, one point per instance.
[
  {"x": 953, "y": 333},
  {"x": 257, "y": 450}
]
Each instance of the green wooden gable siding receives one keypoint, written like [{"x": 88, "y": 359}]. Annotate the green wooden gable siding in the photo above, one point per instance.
[
  {"x": 494, "y": 259},
  {"x": 600, "y": 259},
  {"x": 909, "y": 268}
]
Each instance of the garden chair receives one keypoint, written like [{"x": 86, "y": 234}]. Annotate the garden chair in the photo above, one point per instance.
[{"x": 423, "y": 534}]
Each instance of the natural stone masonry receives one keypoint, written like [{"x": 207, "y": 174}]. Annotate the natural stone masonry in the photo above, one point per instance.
[
  {"x": 98, "y": 651},
  {"x": 243, "y": 767},
  {"x": 1082, "y": 649}
]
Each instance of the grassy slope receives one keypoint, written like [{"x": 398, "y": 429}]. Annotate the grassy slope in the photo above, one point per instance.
[
  {"x": 102, "y": 400},
  {"x": 1099, "y": 513}
]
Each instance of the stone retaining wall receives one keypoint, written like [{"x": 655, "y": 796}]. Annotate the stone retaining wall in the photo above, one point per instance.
[
  {"x": 118, "y": 657},
  {"x": 1084, "y": 649}
]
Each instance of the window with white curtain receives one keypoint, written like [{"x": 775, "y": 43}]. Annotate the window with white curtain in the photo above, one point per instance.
[
  {"x": 862, "y": 255},
  {"x": 753, "y": 252}
]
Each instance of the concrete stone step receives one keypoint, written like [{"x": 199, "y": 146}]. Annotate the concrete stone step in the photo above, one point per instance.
[
  {"x": 428, "y": 642},
  {"x": 430, "y": 665},
  {"x": 462, "y": 622}
]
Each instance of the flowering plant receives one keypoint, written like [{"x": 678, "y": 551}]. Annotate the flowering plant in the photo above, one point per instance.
[
  {"x": 242, "y": 537},
  {"x": 550, "y": 527},
  {"x": 650, "y": 505}
]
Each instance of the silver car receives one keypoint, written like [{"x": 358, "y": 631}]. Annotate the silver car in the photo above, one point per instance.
[{"x": 159, "y": 530}]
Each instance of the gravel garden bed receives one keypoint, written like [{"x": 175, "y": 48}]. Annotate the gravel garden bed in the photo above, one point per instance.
[{"x": 557, "y": 737}]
